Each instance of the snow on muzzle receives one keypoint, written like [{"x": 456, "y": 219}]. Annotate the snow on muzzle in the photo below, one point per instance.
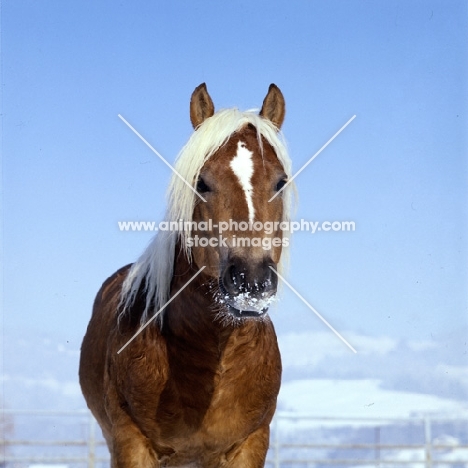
[{"x": 248, "y": 288}]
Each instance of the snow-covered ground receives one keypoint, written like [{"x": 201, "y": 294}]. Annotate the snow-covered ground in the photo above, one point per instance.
[
  {"x": 363, "y": 398},
  {"x": 359, "y": 412}
]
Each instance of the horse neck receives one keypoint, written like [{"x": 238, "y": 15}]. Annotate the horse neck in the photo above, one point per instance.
[{"x": 191, "y": 316}]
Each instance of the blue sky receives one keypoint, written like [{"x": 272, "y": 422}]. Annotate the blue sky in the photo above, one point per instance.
[{"x": 72, "y": 170}]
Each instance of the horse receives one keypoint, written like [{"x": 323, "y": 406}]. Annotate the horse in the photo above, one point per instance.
[{"x": 180, "y": 364}]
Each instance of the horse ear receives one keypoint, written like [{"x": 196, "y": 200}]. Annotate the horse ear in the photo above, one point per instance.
[
  {"x": 274, "y": 107},
  {"x": 201, "y": 105}
]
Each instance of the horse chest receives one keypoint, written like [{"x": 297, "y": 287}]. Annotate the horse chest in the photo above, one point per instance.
[
  {"x": 243, "y": 396},
  {"x": 217, "y": 401}
]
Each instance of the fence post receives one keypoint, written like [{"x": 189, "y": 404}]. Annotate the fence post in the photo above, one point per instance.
[
  {"x": 377, "y": 446},
  {"x": 276, "y": 442},
  {"x": 92, "y": 442},
  {"x": 428, "y": 441}
]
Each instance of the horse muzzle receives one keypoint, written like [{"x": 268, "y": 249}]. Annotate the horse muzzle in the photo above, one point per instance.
[{"x": 247, "y": 289}]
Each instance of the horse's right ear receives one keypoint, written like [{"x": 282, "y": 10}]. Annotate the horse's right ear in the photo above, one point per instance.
[{"x": 201, "y": 106}]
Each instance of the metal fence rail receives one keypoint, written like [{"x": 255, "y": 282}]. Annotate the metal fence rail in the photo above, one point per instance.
[
  {"x": 382, "y": 454},
  {"x": 295, "y": 442}
]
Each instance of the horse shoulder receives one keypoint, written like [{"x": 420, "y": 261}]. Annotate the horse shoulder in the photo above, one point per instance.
[{"x": 92, "y": 368}]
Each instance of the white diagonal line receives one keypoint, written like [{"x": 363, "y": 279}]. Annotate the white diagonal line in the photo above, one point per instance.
[
  {"x": 160, "y": 310},
  {"x": 312, "y": 158},
  {"x": 315, "y": 312},
  {"x": 159, "y": 155}
]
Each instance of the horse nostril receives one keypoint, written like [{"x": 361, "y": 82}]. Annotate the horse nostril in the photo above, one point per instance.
[
  {"x": 234, "y": 280},
  {"x": 270, "y": 280}
]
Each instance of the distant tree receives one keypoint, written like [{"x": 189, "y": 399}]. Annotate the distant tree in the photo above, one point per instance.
[{"x": 6, "y": 431}]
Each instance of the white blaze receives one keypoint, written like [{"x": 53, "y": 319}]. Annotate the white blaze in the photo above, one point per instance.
[{"x": 242, "y": 166}]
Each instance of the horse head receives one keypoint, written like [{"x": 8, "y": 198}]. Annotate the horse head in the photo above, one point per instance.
[{"x": 241, "y": 214}]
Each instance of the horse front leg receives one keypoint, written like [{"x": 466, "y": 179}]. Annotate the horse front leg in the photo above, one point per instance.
[
  {"x": 251, "y": 453},
  {"x": 128, "y": 446},
  {"x": 131, "y": 449}
]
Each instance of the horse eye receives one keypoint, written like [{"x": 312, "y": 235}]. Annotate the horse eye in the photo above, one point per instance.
[
  {"x": 202, "y": 187},
  {"x": 280, "y": 184}
]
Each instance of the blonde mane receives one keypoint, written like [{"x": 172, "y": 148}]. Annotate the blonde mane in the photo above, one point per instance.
[{"x": 153, "y": 271}]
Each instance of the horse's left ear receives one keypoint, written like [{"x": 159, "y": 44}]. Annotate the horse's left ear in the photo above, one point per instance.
[
  {"x": 201, "y": 105},
  {"x": 274, "y": 107}
]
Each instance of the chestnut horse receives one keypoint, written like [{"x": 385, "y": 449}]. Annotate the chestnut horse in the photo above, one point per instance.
[{"x": 198, "y": 386}]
